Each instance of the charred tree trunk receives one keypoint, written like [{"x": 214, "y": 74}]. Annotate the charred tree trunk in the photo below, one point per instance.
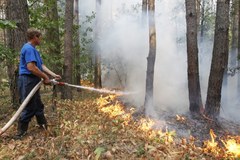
[
  {"x": 68, "y": 47},
  {"x": 194, "y": 91},
  {"x": 97, "y": 58},
  {"x": 17, "y": 10},
  {"x": 219, "y": 59},
  {"x": 151, "y": 56}
]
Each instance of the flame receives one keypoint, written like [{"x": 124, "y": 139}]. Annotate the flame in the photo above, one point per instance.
[
  {"x": 115, "y": 109},
  {"x": 212, "y": 143},
  {"x": 232, "y": 147},
  {"x": 211, "y": 146},
  {"x": 146, "y": 124}
]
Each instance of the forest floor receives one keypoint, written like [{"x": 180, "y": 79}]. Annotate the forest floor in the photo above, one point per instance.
[{"x": 95, "y": 126}]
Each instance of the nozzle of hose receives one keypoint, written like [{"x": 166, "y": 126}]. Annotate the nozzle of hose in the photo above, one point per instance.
[{"x": 54, "y": 82}]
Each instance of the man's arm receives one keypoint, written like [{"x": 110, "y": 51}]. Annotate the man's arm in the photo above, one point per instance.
[
  {"x": 31, "y": 66},
  {"x": 48, "y": 71}
]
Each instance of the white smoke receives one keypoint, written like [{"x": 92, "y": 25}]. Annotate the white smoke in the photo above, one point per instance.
[{"x": 124, "y": 50}]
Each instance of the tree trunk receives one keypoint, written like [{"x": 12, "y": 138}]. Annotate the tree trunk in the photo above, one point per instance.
[
  {"x": 52, "y": 35},
  {"x": 144, "y": 6},
  {"x": 202, "y": 22},
  {"x": 198, "y": 10},
  {"x": 77, "y": 44},
  {"x": 68, "y": 47},
  {"x": 97, "y": 58},
  {"x": 234, "y": 44},
  {"x": 194, "y": 91},
  {"x": 144, "y": 11},
  {"x": 219, "y": 59},
  {"x": 151, "y": 56},
  {"x": 17, "y": 10},
  {"x": 238, "y": 57},
  {"x": 53, "y": 41}
]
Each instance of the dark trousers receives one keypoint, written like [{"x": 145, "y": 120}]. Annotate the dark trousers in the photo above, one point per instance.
[{"x": 35, "y": 106}]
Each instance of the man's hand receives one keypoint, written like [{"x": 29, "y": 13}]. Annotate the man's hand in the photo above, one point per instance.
[
  {"x": 57, "y": 77},
  {"x": 46, "y": 81}
]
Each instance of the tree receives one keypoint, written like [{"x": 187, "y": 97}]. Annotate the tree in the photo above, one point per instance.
[
  {"x": 77, "y": 43},
  {"x": 238, "y": 84},
  {"x": 144, "y": 9},
  {"x": 52, "y": 36},
  {"x": 17, "y": 11},
  {"x": 144, "y": 6},
  {"x": 68, "y": 47},
  {"x": 52, "y": 40},
  {"x": 97, "y": 65},
  {"x": 234, "y": 30},
  {"x": 219, "y": 59},
  {"x": 194, "y": 90},
  {"x": 202, "y": 20},
  {"x": 151, "y": 55}
]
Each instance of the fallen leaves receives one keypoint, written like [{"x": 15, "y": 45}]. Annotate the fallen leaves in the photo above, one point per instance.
[{"x": 100, "y": 127}]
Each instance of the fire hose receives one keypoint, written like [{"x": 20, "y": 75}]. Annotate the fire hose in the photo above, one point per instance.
[
  {"x": 54, "y": 82},
  {"x": 22, "y": 106}
]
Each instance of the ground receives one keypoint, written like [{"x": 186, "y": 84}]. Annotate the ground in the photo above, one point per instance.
[{"x": 96, "y": 126}]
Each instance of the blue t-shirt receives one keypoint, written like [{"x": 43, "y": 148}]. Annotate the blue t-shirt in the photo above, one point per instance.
[{"x": 29, "y": 54}]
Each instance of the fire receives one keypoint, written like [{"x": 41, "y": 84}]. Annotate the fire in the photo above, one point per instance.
[
  {"x": 115, "y": 109},
  {"x": 146, "y": 124},
  {"x": 212, "y": 143},
  {"x": 211, "y": 146},
  {"x": 233, "y": 147}
]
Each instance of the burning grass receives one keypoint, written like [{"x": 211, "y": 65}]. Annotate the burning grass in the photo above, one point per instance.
[{"x": 101, "y": 127}]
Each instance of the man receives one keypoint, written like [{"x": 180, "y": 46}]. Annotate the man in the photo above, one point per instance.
[{"x": 31, "y": 71}]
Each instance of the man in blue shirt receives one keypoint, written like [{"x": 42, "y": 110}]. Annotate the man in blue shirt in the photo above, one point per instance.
[{"x": 31, "y": 71}]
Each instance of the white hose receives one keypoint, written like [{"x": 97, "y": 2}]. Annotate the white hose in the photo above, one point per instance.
[{"x": 23, "y": 105}]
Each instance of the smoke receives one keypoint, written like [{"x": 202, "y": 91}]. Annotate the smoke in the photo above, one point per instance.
[{"x": 123, "y": 44}]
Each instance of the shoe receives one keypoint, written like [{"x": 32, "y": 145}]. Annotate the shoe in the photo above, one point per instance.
[
  {"x": 43, "y": 126},
  {"x": 20, "y": 135},
  {"x": 22, "y": 130}
]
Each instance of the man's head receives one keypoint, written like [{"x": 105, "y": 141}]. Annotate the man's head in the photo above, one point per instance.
[{"x": 33, "y": 36}]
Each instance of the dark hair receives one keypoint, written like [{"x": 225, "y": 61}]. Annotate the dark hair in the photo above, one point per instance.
[{"x": 31, "y": 33}]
